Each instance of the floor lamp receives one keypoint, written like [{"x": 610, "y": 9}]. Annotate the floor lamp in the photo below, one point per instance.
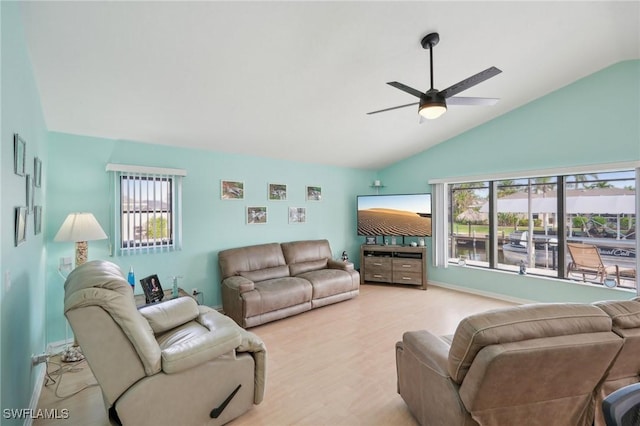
[{"x": 79, "y": 228}]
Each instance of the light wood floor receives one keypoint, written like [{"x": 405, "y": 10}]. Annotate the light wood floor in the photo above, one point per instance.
[{"x": 330, "y": 366}]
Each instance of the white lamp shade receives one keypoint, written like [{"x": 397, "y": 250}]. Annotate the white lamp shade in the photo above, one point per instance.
[{"x": 80, "y": 227}]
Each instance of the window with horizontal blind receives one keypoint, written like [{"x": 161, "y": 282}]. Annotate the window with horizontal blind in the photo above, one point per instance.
[{"x": 146, "y": 205}]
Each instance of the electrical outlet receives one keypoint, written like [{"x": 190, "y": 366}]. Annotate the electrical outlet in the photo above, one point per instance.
[
  {"x": 7, "y": 281},
  {"x": 39, "y": 359}
]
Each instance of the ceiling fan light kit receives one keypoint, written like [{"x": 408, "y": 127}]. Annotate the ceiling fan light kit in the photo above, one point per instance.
[
  {"x": 432, "y": 105},
  {"x": 433, "y": 102}
]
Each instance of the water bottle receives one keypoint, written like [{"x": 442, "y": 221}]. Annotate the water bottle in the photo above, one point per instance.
[
  {"x": 132, "y": 279},
  {"x": 174, "y": 290}
]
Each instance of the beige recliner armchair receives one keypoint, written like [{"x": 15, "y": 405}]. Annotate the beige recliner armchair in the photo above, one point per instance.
[
  {"x": 166, "y": 364},
  {"x": 539, "y": 364}
]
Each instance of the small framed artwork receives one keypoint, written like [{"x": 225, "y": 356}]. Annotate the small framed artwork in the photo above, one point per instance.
[
  {"x": 314, "y": 193},
  {"x": 37, "y": 220},
  {"x": 37, "y": 172},
  {"x": 256, "y": 215},
  {"x": 152, "y": 289},
  {"x": 277, "y": 192},
  {"x": 231, "y": 190},
  {"x": 29, "y": 191},
  {"x": 371, "y": 240},
  {"x": 21, "y": 225},
  {"x": 19, "y": 152},
  {"x": 297, "y": 214}
]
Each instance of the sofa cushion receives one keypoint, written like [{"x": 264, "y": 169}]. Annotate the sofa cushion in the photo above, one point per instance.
[
  {"x": 251, "y": 258},
  {"x": 304, "y": 251},
  {"x": 311, "y": 265},
  {"x": 278, "y": 293},
  {"x": 520, "y": 323},
  {"x": 327, "y": 282},
  {"x": 624, "y": 313},
  {"x": 265, "y": 274}
]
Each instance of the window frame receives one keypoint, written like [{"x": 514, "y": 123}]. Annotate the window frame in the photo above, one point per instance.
[{"x": 442, "y": 191}]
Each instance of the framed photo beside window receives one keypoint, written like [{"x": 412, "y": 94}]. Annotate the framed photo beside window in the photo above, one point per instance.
[
  {"x": 20, "y": 225},
  {"x": 19, "y": 152},
  {"x": 314, "y": 193},
  {"x": 277, "y": 192},
  {"x": 256, "y": 215},
  {"x": 231, "y": 190}
]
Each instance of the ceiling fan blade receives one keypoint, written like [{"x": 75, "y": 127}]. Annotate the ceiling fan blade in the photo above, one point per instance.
[
  {"x": 392, "y": 108},
  {"x": 460, "y": 100},
  {"x": 409, "y": 90},
  {"x": 470, "y": 82}
]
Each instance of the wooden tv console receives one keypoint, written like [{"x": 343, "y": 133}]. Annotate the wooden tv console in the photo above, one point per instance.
[{"x": 394, "y": 265}]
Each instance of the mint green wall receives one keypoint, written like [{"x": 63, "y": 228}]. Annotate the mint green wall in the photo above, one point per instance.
[
  {"x": 22, "y": 292},
  {"x": 594, "y": 120},
  {"x": 78, "y": 182}
]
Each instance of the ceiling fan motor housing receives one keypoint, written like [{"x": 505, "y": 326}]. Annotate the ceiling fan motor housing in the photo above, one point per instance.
[{"x": 432, "y": 104}]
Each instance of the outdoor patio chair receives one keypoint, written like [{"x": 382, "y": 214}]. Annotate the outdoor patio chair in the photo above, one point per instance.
[{"x": 586, "y": 260}]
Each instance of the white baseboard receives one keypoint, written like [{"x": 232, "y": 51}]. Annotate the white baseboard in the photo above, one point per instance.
[
  {"x": 37, "y": 389},
  {"x": 54, "y": 348},
  {"x": 498, "y": 296}
]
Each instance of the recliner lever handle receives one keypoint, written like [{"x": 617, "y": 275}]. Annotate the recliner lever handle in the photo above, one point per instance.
[{"x": 215, "y": 413}]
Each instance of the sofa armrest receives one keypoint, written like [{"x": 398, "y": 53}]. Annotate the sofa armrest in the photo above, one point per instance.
[
  {"x": 239, "y": 284},
  {"x": 338, "y": 264},
  {"x": 424, "y": 381},
  {"x": 429, "y": 350},
  {"x": 253, "y": 344},
  {"x": 170, "y": 314}
]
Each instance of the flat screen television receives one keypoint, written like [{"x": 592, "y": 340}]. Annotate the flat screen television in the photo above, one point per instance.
[{"x": 407, "y": 215}]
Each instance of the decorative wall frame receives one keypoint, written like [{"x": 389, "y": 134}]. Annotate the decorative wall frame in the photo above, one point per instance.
[
  {"x": 231, "y": 190},
  {"x": 20, "y": 225},
  {"x": 37, "y": 172},
  {"x": 256, "y": 215},
  {"x": 314, "y": 193},
  {"x": 19, "y": 154},
  {"x": 297, "y": 214},
  {"x": 29, "y": 192},
  {"x": 37, "y": 220},
  {"x": 277, "y": 192}
]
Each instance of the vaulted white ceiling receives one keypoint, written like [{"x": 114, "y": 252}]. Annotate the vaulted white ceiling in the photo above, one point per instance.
[{"x": 294, "y": 80}]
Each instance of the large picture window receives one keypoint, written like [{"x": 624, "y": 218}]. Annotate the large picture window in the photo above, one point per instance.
[{"x": 572, "y": 226}]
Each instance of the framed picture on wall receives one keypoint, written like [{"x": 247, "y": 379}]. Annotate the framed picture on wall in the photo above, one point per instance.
[
  {"x": 19, "y": 153},
  {"x": 256, "y": 215},
  {"x": 21, "y": 225},
  {"x": 277, "y": 192},
  {"x": 231, "y": 190},
  {"x": 297, "y": 214},
  {"x": 37, "y": 220},
  {"x": 37, "y": 172},
  {"x": 314, "y": 193},
  {"x": 29, "y": 192}
]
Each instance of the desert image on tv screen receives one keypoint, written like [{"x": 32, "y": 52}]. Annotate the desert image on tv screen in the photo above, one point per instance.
[{"x": 408, "y": 215}]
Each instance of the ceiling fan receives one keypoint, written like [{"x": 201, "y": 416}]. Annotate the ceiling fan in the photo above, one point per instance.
[{"x": 433, "y": 102}]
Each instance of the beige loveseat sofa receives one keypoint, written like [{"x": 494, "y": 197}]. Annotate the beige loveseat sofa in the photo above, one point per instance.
[
  {"x": 539, "y": 364},
  {"x": 172, "y": 363},
  {"x": 266, "y": 282}
]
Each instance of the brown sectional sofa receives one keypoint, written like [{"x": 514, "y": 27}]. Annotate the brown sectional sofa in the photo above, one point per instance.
[
  {"x": 538, "y": 364},
  {"x": 267, "y": 282}
]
